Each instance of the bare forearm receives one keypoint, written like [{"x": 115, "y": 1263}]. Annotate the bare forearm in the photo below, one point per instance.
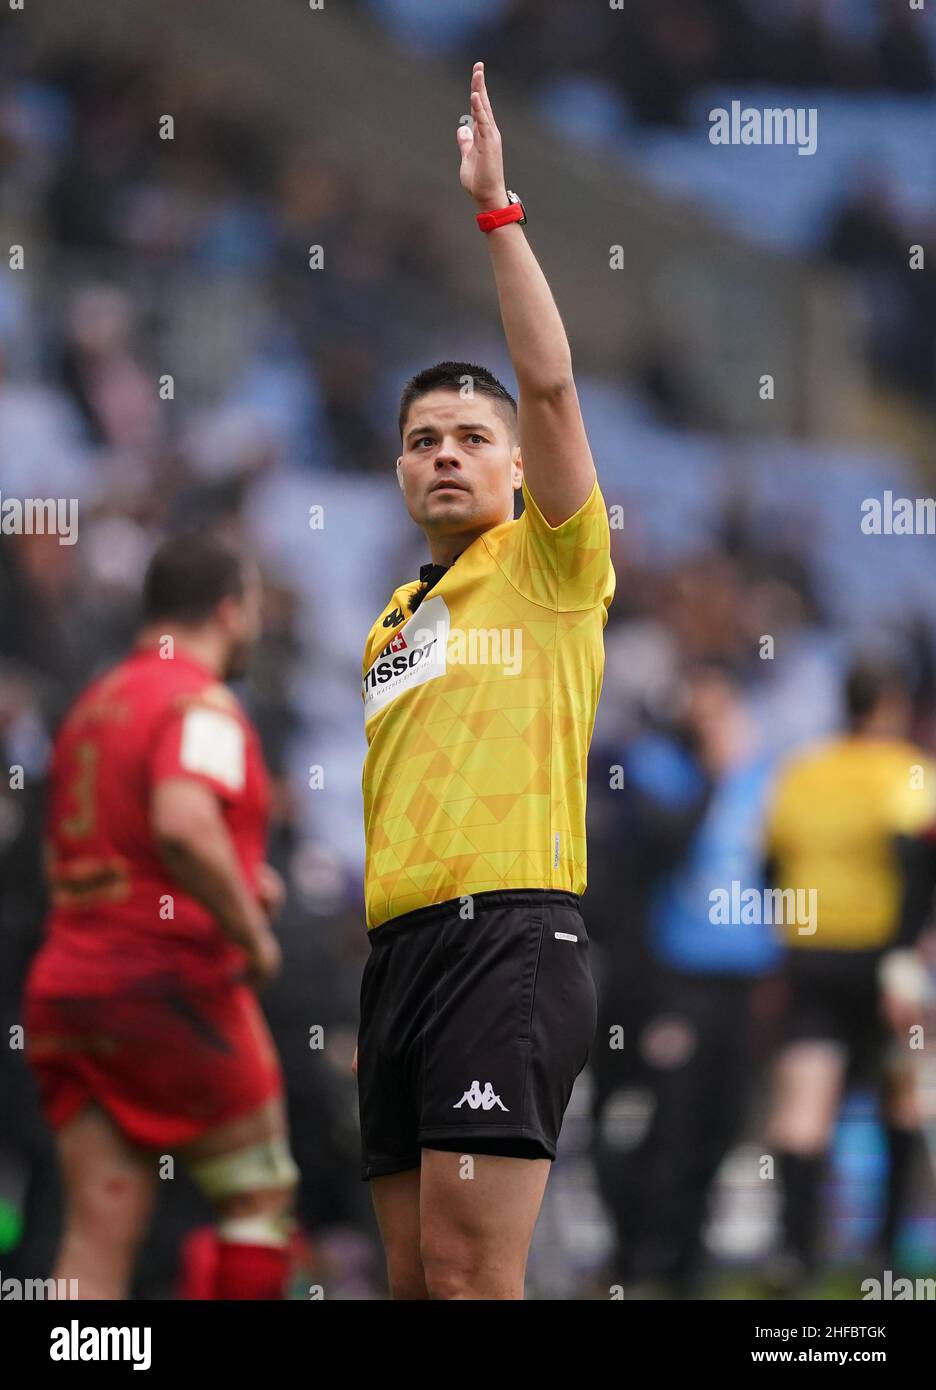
[
  {"x": 536, "y": 338},
  {"x": 557, "y": 461},
  {"x": 208, "y": 870}
]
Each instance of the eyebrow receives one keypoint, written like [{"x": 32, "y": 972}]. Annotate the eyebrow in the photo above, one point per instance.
[{"x": 426, "y": 429}]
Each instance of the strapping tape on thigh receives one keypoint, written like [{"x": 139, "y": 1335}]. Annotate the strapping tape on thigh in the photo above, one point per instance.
[
  {"x": 259, "y": 1167},
  {"x": 263, "y": 1229}
]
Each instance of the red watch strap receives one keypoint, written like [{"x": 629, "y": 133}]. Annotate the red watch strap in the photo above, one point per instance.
[{"x": 499, "y": 217}]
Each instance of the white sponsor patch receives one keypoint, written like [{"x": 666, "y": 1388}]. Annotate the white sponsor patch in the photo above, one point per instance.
[
  {"x": 214, "y": 745},
  {"x": 415, "y": 655},
  {"x": 565, "y": 936}
]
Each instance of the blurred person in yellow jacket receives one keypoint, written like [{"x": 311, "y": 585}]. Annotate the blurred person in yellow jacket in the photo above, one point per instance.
[{"x": 846, "y": 835}]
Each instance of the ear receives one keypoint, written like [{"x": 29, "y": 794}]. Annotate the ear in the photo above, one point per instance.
[
  {"x": 516, "y": 469},
  {"x": 399, "y": 471}
]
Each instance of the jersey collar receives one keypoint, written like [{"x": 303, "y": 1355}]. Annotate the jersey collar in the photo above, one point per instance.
[
  {"x": 429, "y": 576},
  {"x": 180, "y": 657}
]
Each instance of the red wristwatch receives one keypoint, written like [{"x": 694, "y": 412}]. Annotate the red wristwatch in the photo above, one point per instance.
[{"x": 499, "y": 217}]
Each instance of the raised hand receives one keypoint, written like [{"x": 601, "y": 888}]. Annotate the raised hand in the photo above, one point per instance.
[{"x": 482, "y": 160}]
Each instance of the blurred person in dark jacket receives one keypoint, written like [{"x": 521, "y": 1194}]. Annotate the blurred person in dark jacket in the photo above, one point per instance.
[{"x": 700, "y": 796}]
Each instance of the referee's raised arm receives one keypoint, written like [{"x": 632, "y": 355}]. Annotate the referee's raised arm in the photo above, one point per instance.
[{"x": 557, "y": 461}]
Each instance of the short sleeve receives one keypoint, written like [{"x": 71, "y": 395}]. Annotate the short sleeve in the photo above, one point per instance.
[
  {"x": 564, "y": 567},
  {"x": 913, "y": 805},
  {"x": 204, "y": 744}
]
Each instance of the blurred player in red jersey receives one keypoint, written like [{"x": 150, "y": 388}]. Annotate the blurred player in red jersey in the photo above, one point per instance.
[{"x": 141, "y": 1024}]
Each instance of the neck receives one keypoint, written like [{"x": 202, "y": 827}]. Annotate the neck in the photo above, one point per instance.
[
  {"x": 879, "y": 725},
  {"x": 443, "y": 549},
  {"x": 204, "y": 645}
]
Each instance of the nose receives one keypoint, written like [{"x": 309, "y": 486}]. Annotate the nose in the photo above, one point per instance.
[{"x": 446, "y": 457}]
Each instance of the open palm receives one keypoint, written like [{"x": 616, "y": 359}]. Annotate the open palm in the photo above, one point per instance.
[{"x": 482, "y": 160}]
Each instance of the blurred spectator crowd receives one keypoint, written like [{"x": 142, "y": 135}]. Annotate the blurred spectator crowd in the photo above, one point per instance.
[
  {"x": 669, "y": 49},
  {"x": 636, "y": 83}
]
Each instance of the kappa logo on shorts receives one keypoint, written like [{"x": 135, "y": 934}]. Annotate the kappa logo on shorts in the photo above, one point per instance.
[{"x": 480, "y": 1100}]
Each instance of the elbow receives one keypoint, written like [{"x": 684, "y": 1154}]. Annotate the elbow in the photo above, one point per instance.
[{"x": 554, "y": 387}]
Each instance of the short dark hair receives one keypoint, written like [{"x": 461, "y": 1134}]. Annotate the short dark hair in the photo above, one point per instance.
[
  {"x": 450, "y": 376},
  {"x": 869, "y": 681},
  {"x": 188, "y": 576}
]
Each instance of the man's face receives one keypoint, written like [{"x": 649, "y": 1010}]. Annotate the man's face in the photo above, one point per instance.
[{"x": 460, "y": 466}]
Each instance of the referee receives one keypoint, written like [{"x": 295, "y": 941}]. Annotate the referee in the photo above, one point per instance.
[{"x": 480, "y": 685}]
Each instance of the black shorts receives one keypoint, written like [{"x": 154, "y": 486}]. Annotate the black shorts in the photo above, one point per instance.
[
  {"x": 473, "y": 1031},
  {"x": 834, "y": 996}
]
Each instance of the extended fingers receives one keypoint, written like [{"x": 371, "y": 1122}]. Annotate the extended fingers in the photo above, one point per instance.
[
  {"x": 480, "y": 116},
  {"x": 479, "y": 89}
]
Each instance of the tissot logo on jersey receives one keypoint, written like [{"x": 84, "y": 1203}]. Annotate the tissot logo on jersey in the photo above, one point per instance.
[
  {"x": 415, "y": 655},
  {"x": 384, "y": 670}
]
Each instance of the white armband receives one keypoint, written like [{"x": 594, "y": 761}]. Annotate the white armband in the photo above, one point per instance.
[{"x": 213, "y": 744}]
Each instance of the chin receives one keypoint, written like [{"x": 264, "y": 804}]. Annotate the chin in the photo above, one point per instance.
[{"x": 454, "y": 508}]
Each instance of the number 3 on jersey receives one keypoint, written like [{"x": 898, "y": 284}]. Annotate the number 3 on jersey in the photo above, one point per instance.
[{"x": 83, "y": 791}]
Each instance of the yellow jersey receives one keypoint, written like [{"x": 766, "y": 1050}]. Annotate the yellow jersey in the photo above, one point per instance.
[
  {"x": 836, "y": 812},
  {"x": 479, "y": 709}
]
